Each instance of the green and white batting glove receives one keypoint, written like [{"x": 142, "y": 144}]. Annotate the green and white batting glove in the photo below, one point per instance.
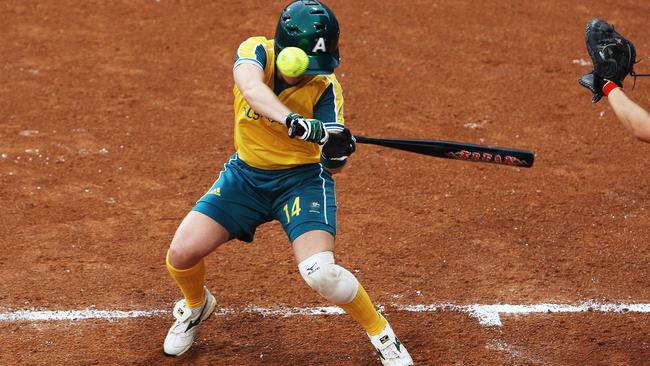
[{"x": 306, "y": 129}]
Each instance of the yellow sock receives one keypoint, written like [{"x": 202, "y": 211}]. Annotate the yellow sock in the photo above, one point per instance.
[
  {"x": 191, "y": 282},
  {"x": 363, "y": 311}
]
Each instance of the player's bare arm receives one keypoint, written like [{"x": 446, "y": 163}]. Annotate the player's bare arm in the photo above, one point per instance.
[
  {"x": 631, "y": 115},
  {"x": 250, "y": 81}
]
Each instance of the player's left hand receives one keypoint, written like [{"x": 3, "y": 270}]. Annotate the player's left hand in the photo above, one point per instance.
[
  {"x": 339, "y": 146},
  {"x": 307, "y": 129}
]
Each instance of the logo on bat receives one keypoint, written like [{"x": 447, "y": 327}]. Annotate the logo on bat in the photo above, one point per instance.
[{"x": 487, "y": 157}]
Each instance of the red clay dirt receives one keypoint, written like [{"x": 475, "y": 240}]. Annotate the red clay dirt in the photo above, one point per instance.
[{"x": 116, "y": 116}]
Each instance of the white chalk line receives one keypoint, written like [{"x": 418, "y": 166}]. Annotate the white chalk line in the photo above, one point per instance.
[
  {"x": 486, "y": 314},
  {"x": 72, "y": 315},
  {"x": 490, "y": 315}
]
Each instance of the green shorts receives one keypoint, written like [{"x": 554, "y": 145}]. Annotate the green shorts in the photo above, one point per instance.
[{"x": 243, "y": 197}]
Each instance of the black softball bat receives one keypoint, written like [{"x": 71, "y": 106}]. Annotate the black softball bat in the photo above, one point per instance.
[{"x": 456, "y": 150}]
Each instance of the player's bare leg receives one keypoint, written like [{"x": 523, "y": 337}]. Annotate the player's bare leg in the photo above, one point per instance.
[
  {"x": 313, "y": 251},
  {"x": 196, "y": 237}
]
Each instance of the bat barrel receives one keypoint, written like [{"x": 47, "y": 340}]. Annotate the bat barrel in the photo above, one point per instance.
[{"x": 456, "y": 150}]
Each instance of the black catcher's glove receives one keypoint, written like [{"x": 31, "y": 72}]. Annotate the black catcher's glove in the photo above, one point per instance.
[
  {"x": 594, "y": 83},
  {"x": 337, "y": 149},
  {"x": 613, "y": 57}
]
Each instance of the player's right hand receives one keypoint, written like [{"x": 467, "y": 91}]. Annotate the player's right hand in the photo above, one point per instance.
[{"x": 306, "y": 129}]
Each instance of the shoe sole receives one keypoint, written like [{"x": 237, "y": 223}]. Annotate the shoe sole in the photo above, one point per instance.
[{"x": 211, "y": 306}]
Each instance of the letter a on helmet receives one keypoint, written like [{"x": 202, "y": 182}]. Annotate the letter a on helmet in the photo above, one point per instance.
[
  {"x": 320, "y": 45},
  {"x": 311, "y": 26}
]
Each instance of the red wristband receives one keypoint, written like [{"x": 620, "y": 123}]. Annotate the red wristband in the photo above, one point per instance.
[{"x": 609, "y": 86}]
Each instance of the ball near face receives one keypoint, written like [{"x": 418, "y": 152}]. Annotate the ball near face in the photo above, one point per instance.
[{"x": 292, "y": 61}]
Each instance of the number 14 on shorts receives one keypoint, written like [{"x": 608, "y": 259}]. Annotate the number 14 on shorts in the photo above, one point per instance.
[{"x": 295, "y": 209}]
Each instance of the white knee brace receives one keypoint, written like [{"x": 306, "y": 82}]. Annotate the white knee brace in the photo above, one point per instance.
[{"x": 332, "y": 281}]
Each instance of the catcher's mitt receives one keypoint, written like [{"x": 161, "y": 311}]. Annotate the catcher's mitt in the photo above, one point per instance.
[
  {"x": 613, "y": 57},
  {"x": 612, "y": 54}
]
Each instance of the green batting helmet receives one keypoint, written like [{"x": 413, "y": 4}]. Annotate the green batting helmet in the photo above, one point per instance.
[{"x": 312, "y": 27}]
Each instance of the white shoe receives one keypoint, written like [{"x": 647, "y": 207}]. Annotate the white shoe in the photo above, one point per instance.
[
  {"x": 391, "y": 351},
  {"x": 181, "y": 335}
]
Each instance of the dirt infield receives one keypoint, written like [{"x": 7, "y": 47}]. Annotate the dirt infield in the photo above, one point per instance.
[{"x": 117, "y": 115}]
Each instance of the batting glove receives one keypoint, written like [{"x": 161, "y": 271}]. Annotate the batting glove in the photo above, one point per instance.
[
  {"x": 338, "y": 148},
  {"x": 306, "y": 129}
]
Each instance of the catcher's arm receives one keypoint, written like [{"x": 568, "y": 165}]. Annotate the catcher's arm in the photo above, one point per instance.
[{"x": 633, "y": 117}]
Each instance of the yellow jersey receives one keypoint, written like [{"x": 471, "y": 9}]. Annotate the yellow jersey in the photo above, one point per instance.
[{"x": 264, "y": 144}]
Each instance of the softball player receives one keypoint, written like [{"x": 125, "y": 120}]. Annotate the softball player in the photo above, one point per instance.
[{"x": 279, "y": 172}]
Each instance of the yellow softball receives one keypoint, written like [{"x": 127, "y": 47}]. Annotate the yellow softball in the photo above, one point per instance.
[{"x": 292, "y": 61}]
